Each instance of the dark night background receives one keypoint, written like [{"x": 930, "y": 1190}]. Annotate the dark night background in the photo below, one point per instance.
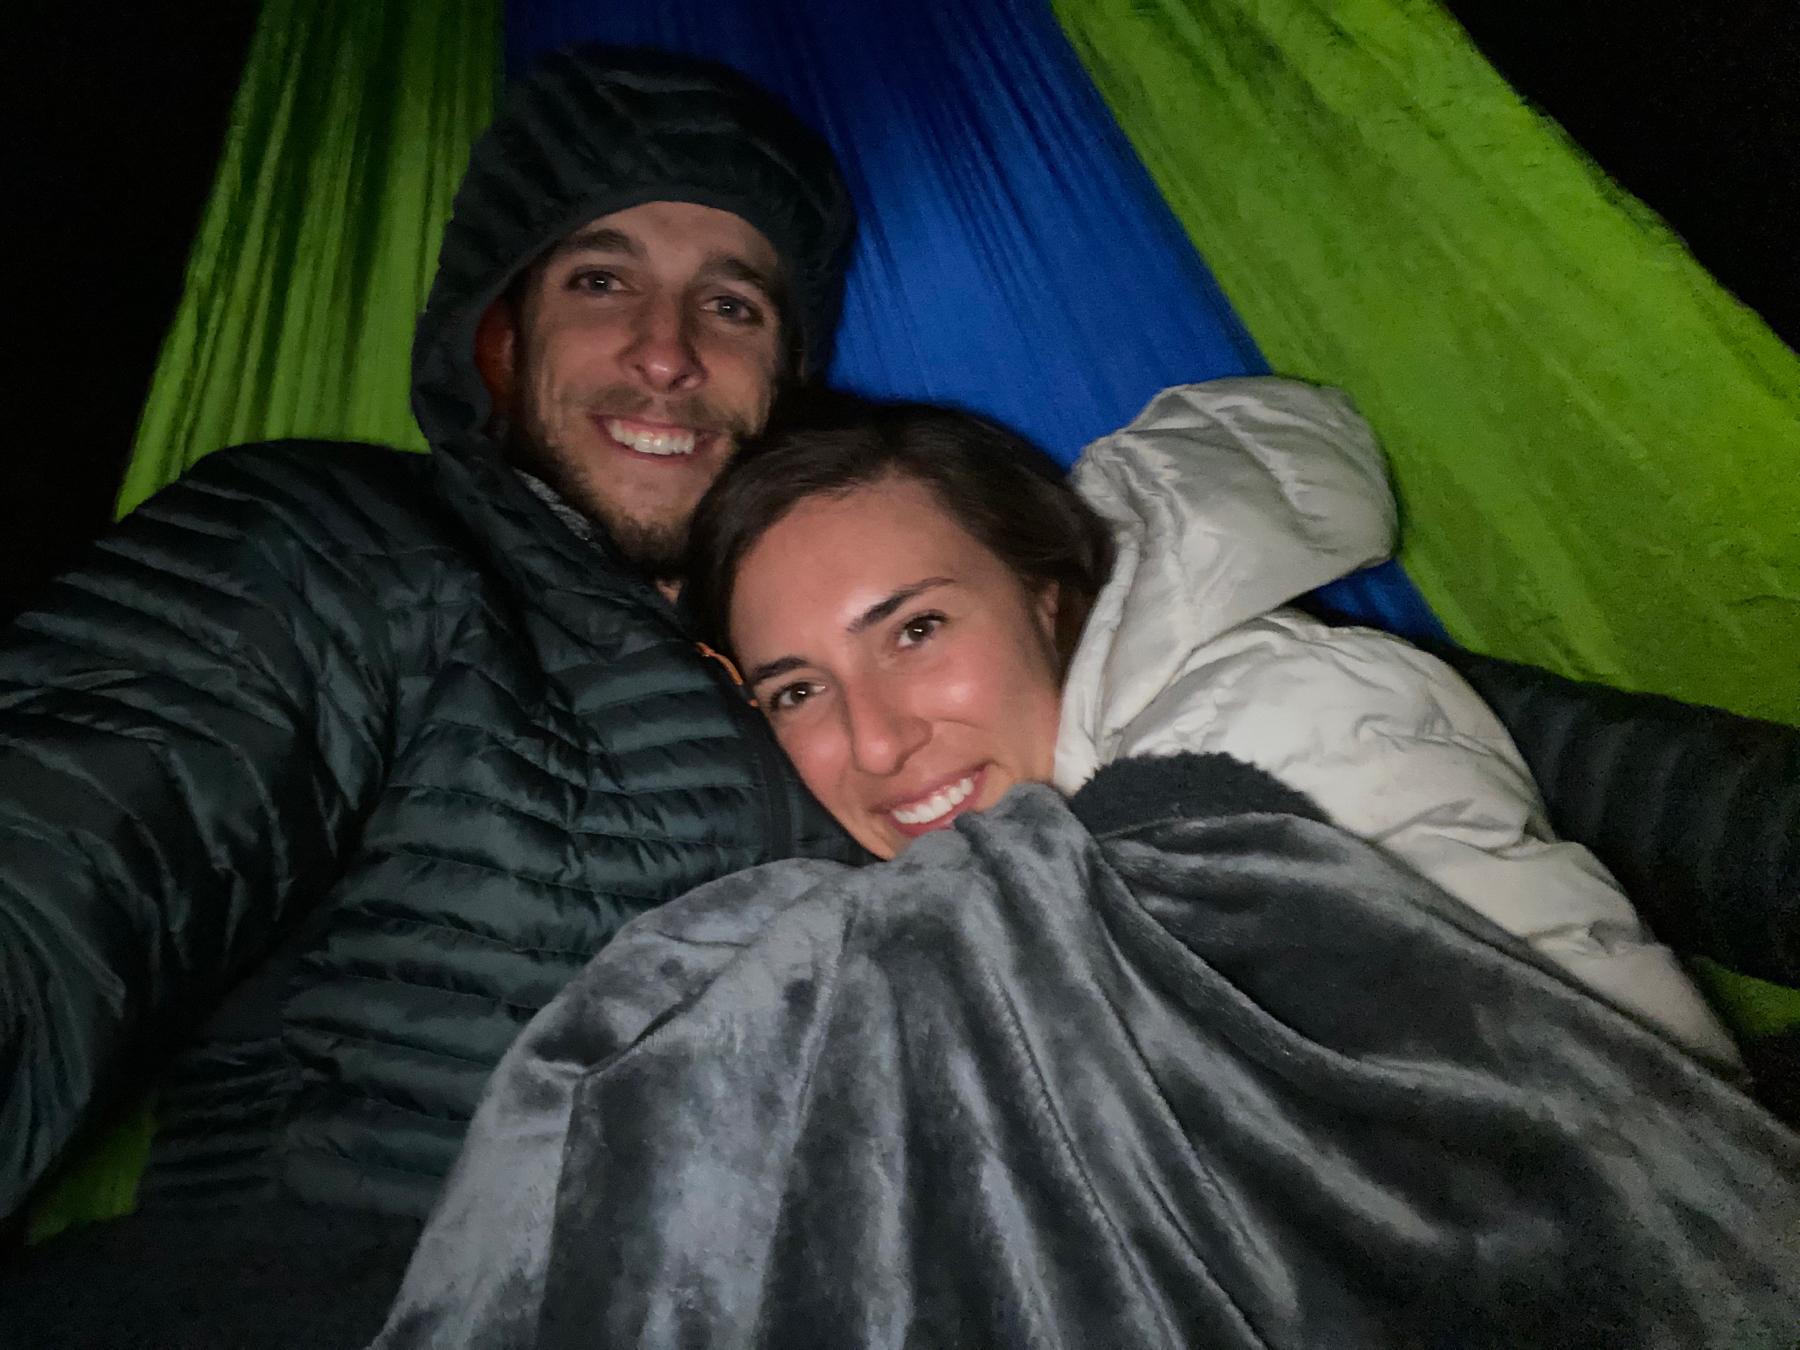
[{"x": 120, "y": 115}]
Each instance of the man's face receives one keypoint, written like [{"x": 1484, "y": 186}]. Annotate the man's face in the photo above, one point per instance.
[{"x": 643, "y": 347}]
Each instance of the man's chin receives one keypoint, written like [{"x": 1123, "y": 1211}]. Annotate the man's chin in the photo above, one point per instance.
[
  {"x": 652, "y": 541},
  {"x": 654, "y": 564},
  {"x": 658, "y": 549}
]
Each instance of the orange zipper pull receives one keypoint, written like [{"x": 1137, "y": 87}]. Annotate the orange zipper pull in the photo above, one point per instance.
[{"x": 730, "y": 669}]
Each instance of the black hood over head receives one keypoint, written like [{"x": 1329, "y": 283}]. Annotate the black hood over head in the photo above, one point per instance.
[{"x": 596, "y": 129}]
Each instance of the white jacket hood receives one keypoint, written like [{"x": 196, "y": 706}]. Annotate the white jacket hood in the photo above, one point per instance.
[{"x": 1227, "y": 500}]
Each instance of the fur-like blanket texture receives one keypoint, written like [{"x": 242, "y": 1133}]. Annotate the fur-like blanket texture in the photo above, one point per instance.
[{"x": 1175, "y": 1064}]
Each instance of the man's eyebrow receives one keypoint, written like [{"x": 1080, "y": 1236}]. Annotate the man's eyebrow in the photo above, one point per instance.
[
  {"x": 874, "y": 614},
  {"x": 726, "y": 266},
  {"x": 732, "y": 267},
  {"x": 599, "y": 239}
]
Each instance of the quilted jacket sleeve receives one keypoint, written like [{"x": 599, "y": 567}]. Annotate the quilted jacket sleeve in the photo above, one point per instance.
[
  {"x": 1695, "y": 810},
  {"x": 188, "y": 729}
]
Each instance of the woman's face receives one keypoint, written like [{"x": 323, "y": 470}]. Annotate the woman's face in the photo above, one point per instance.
[{"x": 907, "y": 672}]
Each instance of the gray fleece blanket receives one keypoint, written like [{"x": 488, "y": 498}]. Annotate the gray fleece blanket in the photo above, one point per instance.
[{"x": 1175, "y": 1064}]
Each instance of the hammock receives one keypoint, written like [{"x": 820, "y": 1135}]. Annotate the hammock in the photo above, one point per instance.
[{"x": 1069, "y": 204}]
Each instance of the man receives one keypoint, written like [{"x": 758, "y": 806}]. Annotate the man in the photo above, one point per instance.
[{"x": 335, "y": 763}]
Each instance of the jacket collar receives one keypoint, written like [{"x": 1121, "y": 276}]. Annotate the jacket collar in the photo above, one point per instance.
[{"x": 562, "y": 565}]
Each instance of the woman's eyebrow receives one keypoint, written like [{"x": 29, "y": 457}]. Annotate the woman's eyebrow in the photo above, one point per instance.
[
  {"x": 768, "y": 670},
  {"x": 881, "y": 609},
  {"x": 874, "y": 614}
]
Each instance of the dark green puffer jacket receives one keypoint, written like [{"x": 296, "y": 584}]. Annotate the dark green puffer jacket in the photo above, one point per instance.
[
  {"x": 388, "y": 718},
  {"x": 331, "y": 768}
]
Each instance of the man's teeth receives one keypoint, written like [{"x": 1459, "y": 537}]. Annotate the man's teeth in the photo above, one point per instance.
[
  {"x": 940, "y": 803},
  {"x": 651, "y": 442}
]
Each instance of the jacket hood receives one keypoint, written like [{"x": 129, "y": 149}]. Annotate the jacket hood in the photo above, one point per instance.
[
  {"x": 1227, "y": 500},
  {"x": 598, "y": 129}
]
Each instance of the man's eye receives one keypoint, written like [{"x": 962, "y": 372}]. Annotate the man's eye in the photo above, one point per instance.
[
  {"x": 918, "y": 628},
  {"x": 735, "y": 309},
  {"x": 595, "y": 280}
]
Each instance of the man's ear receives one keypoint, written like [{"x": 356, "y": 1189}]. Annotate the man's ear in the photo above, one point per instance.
[
  {"x": 496, "y": 348},
  {"x": 792, "y": 369}
]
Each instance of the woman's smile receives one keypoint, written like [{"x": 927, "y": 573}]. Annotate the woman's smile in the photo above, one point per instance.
[
  {"x": 907, "y": 672},
  {"x": 937, "y": 807}
]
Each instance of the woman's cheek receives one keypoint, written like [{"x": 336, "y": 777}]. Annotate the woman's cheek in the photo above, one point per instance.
[
  {"x": 962, "y": 680},
  {"x": 806, "y": 743}
]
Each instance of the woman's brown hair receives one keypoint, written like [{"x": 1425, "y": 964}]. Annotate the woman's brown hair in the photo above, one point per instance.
[{"x": 1007, "y": 494}]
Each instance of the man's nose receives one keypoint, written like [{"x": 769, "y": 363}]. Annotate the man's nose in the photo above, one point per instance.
[
  {"x": 662, "y": 353},
  {"x": 883, "y": 732}
]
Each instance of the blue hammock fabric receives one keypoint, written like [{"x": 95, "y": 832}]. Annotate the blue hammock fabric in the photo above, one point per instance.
[{"x": 1014, "y": 256}]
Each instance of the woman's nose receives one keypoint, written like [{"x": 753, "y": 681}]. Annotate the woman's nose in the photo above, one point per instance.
[{"x": 883, "y": 732}]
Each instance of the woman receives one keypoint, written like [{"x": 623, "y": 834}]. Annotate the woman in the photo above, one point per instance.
[
  {"x": 1168, "y": 1060},
  {"x": 907, "y": 590}
]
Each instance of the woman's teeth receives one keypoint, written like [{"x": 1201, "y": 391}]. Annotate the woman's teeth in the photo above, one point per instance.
[
  {"x": 939, "y": 804},
  {"x": 651, "y": 442}
]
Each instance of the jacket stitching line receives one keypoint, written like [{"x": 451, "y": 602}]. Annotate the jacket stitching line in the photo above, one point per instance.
[
  {"x": 493, "y": 999},
  {"x": 579, "y": 954},
  {"x": 618, "y": 671},
  {"x": 512, "y": 874},
  {"x": 565, "y": 742},
  {"x": 301, "y": 1029},
  {"x": 348, "y": 1093},
  {"x": 362, "y": 1163},
  {"x": 644, "y": 837}
]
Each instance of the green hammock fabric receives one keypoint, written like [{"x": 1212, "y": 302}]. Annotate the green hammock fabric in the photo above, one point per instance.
[
  {"x": 316, "y": 249},
  {"x": 99, "y": 1181},
  {"x": 348, "y": 136},
  {"x": 1597, "y": 449},
  {"x": 1595, "y": 446}
]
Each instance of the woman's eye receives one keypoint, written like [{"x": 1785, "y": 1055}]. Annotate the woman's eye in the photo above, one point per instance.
[
  {"x": 918, "y": 628},
  {"x": 789, "y": 697}
]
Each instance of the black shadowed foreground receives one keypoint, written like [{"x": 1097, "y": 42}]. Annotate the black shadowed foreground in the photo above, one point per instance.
[
  {"x": 281, "y": 1274},
  {"x": 1175, "y": 1064}
]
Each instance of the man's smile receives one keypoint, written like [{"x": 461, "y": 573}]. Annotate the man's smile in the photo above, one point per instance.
[{"x": 661, "y": 440}]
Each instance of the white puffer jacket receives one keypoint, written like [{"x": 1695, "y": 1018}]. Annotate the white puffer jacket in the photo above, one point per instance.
[{"x": 1228, "y": 500}]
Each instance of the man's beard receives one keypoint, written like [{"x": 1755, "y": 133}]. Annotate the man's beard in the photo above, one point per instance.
[{"x": 657, "y": 548}]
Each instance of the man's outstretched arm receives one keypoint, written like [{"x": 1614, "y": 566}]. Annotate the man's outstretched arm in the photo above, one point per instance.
[{"x": 189, "y": 726}]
